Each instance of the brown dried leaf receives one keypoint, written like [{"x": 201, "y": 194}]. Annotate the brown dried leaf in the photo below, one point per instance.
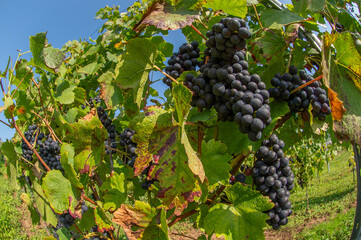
[
  {"x": 166, "y": 17},
  {"x": 337, "y": 108},
  {"x": 90, "y": 115}
]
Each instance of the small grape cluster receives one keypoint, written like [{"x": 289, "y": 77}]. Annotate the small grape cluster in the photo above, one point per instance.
[
  {"x": 300, "y": 100},
  {"x": 64, "y": 220},
  {"x": 186, "y": 59},
  {"x": 30, "y": 137},
  {"x": 126, "y": 141},
  {"x": 107, "y": 123},
  {"x": 274, "y": 178},
  {"x": 240, "y": 177},
  {"x": 95, "y": 99},
  {"x": 49, "y": 151}
]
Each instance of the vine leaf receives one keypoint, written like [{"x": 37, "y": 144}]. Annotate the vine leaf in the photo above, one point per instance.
[
  {"x": 337, "y": 108},
  {"x": 87, "y": 221},
  {"x": 67, "y": 162},
  {"x": 236, "y": 8},
  {"x": 143, "y": 217},
  {"x": 102, "y": 220},
  {"x": 23, "y": 75},
  {"x": 109, "y": 91},
  {"x": 64, "y": 92},
  {"x": 42, "y": 205},
  {"x": 303, "y": 6},
  {"x": 159, "y": 139},
  {"x": 268, "y": 44},
  {"x": 276, "y": 19},
  {"x": 8, "y": 150},
  {"x": 115, "y": 192},
  {"x": 166, "y": 16},
  {"x": 215, "y": 161},
  {"x": 182, "y": 97},
  {"x": 59, "y": 192},
  {"x": 45, "y": 56},
  {"x": 241, "y": 220},
  {"x": 134, "y": 66}
]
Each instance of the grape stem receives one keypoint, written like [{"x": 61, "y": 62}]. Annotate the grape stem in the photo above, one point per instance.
[
  {"x": 76, "y": 227},
  {"x": 55, "y": 138},
  {"x": 181, "y": 217},
  {"x": 255, "y": 10},
  {"x": 6, "y": 124},
  {"x": 167, "y": 75},
  {"x": 195, "y": 29},
  {"x": 2, "y": 87},
  {"x": 27, "y": 142},
  {"x": 306, "y": 84},
  {"x": 41, "y": 99}
]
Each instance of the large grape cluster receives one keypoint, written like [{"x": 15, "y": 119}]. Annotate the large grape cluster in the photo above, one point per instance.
[
  {"x": 49, "y": 151},
  {"x": 126, "y": 141},
  {"x": 299, "y": 101},
  {"x": 30, "y": 137},
  {"x": 186, "y": 59},
  {"x": 225, "y": 83},
  {"x": 107, "y": 123},
  {"x": 273, "y": 177}
]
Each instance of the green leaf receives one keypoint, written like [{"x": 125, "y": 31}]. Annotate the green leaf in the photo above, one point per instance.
[
  {"x": 115, "y": 192},
  {"x": 277, "y": 19},
  {"x": 269, "y": 44},
  {"x": 102, "y": 220},
  {"x": 67, "y": 162},
  {"x": 79, "y": 94},
  {"x": 23, "y": 75},
  {"x": 135, "y": 65},
  {"x": 110, "y": 92},
  {"x": 205, "y": 115},
  {"x": 44, "y": 56},
  {"x": 8, "y": 150},
  {"x": 90, "y": 69},
  {"x": 59, "y": 192},
  {"x": 215, "y": 161},
  {"x": 182, "y": 98},
  {"x": 236, "y": 8},
  {"x": 71, "y": 115},
  {"x": 87, "y": 220},
  {"x": 167, "y": 17},
  {"x": 303, "y": 6},
  {"x": 64, "y": 233},
  {"x": 64, "y": 93},
  {"x": 7, "y": 103},
  {"x": 43, "y": 206},
  {"x": 241, "y": 220}
]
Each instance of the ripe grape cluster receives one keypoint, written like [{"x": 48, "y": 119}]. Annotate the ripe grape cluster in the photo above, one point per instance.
[
  {"x": 49, "y": 151},
  {"x": 299, "y": 101},
  {"x": 225, "y": 83},
  {"x": 273, "y": 177},
  {"x": 30, "y": 137},
  {"x": 107, "y": 123},
  {"x": 225, "y": 38},
  {"x": 186, "y": 59},
  {"x": 126, "y": 141}
]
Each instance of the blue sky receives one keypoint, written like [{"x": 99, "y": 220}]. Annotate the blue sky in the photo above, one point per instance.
[{"x": 63, "y": 20}]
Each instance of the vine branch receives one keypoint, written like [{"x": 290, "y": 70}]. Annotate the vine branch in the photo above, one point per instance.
[
  {"x": 306, "y": 84},
  {"x": 167, "y": 75}
]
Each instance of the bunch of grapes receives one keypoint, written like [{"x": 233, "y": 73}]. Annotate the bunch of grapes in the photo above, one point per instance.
[
  {"x": 225, "y": 38},
  {"x": 186, "y": 59},
  {"x": 107, "y": 123},
  {"x": 273, "y": 177},
  {"x": 30, "y": 137},
  {"x": 226, "y": 84},
  {"x": 126, "y": 141},
  {"x": 299, "y": 101},
  {"x": 49, "y": 151}
]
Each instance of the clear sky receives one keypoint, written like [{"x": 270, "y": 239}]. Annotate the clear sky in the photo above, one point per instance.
[{"x": 63, "y": 20}]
